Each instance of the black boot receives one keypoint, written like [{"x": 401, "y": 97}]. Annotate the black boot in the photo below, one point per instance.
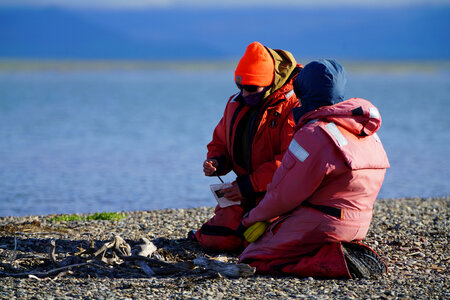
[
  {"x": 191, "y": 236},
  {"x": 362, "y": 262}
]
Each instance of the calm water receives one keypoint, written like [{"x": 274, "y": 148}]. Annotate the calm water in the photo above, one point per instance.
[{"x": 87, "y": 141}]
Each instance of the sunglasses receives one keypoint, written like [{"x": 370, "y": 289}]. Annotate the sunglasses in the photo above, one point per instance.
[{"x": 248, "y": 88}]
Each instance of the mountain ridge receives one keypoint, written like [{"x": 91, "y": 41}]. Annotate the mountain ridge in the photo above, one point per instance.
[{"x": 406, "y": 33}]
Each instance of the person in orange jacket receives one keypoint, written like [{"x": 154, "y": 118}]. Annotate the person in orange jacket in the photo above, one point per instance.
[{"x": 250, "y": 139}]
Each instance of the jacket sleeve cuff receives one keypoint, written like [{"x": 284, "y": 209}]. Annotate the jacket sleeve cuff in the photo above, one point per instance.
[
  {"x": 246, "y": 187},
  {"x": 240, "y": 230},
  {"x": 222, "y": 160},
  {"x": 244, "y": 221}
]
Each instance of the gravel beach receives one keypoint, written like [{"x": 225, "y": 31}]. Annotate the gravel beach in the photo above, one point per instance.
[{"x": 411, "y": 235}]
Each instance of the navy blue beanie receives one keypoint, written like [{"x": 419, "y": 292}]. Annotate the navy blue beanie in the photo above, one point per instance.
[{"x": 319, "y": 83}]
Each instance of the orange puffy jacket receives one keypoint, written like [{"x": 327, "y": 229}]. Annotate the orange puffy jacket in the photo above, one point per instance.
[{"x": 272, "y": 135}]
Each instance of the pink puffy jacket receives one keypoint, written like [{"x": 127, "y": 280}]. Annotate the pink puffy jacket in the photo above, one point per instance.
[{"x": 335, "y": 159}]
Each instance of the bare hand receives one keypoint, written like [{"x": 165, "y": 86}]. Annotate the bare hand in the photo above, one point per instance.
[
  {"x": 233, "y": 193},
  {"x": 210, "y": 166}
]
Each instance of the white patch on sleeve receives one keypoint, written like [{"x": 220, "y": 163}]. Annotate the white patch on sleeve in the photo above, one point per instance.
[
  {"x": 289, "y": 94},
  {"x": 332, "y": 128},
  {"x": 377, "y": 138},
  {"x": 374, "y": 114},
  {"x": 298, "y": 151}
]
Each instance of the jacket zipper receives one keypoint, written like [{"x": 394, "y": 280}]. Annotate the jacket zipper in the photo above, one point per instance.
[
  {"x": 250, "y": 138},
  {"x": 252, "y": 132},
  {"x": 233, "y": 120}
]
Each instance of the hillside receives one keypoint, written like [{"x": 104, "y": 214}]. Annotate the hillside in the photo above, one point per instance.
[{"x": 355, "y": 33}]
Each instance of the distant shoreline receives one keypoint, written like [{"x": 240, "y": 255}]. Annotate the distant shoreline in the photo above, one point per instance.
[
  {"x": 50, "y": 215},
  {"x": 43, "y": 64},
  {"x": 28, "y": 217}
]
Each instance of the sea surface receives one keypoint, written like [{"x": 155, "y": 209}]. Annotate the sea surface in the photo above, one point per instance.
[{"x": 76, "y": 140}]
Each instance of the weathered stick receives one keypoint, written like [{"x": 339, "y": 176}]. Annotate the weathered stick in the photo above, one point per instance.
[
  {"x": 181, "y": 267},
  {"x": 52, "y": 253},
  {"x": 121, "y": 246},
  {"x": 45, "y": 274},
  {"x": 37, "y": 278},
  {"x": 152, "y": 261},
  {"x": 226, "y": 269},
  {"x": 13, "y": 255},
  {"x": 105, "y": 247},
  {"x": 145, "y": 268},
  {"x": 115, "y": 259},
  {"x": 63, "y": 273},
  {"x": 146, "y": 248},
  {"x": 71, "y": 260}
]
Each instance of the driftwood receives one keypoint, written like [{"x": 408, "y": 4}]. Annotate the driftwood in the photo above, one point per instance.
[
  {"x": 225, "y": 269},
  {"x": 47, "y": 273},
  {"x": 117, "y": 256},
  {"x": 145, "y": 249},
  {"x": 52, "y": 254},
  {"x": 13, "y": 256},
  {"x": 33, "y": 228}
]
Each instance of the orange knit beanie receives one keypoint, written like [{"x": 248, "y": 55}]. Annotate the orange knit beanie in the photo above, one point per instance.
[{"x": 256, "y": 67}]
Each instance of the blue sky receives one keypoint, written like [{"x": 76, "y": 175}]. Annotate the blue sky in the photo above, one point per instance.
[{"x": 130, "y": 4}]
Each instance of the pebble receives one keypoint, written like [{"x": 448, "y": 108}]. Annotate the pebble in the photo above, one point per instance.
[{"x": 411, "y": 235}]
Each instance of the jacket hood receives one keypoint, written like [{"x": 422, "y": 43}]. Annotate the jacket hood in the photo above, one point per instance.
[
  {"x": 356, "y": 115},
  {"x": 319, "y": 83},
  {"x": 285, "y": 63}
]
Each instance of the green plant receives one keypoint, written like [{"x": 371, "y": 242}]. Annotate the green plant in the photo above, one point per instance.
[{"x": 112, "y": 216}]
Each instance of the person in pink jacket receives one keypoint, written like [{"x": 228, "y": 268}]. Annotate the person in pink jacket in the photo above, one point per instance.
[{"x": 320, "y": 200}]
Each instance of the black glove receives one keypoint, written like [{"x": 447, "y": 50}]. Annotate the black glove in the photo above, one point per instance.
[{"x": 240, "y": 230}]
